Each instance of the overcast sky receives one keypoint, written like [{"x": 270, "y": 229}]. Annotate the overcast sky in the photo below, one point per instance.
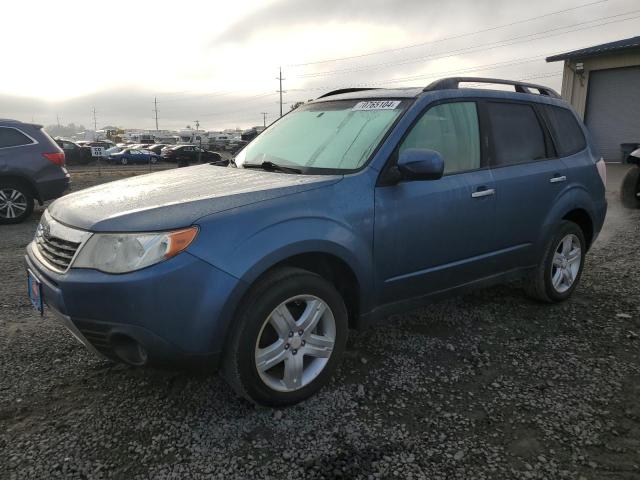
[{"x": 217, "y": 62}]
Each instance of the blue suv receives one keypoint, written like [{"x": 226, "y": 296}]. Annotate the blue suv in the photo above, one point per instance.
[{"x": 362, "y": 203}]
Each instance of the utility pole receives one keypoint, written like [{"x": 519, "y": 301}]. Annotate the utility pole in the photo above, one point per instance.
[
  {"x": 95, "y": 125},
  {"x": 264, "y": 118},
  {"x": 95, "y": 137},
  {"x": 197, "y": 122},
  {"x": 155, "y": 108},
  {"x": 58, "y": 120},
  {"x": 280, "y": 90}
]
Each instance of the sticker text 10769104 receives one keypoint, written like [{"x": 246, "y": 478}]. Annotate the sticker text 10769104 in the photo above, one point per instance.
[{"x": 377, "y": 105}]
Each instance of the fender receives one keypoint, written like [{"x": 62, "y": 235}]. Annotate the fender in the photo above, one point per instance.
[
  {"x": 305, "y": 235},
  {"x": 247, "y": 241},
  {"x": 258, "y": 253}
]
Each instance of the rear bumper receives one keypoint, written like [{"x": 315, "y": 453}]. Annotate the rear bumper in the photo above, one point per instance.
[
  {"x": 600, "y": 215},
  {"x": 50, "y": 189},
  {"x": 175, "y": 310}
]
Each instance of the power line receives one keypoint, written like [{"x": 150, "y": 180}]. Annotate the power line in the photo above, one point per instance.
[
  {"x": 454, "y": 37},
  {"x": 215, "y": 114},
  {"x": 260, "y": 95},
  {"x": 475, "y": 49},
  {"x": 488, "y": 66}
]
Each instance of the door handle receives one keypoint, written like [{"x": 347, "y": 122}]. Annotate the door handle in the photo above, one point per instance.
[
  {"x": 558, "y": 179},
  {"x": 483, "y": 193}
]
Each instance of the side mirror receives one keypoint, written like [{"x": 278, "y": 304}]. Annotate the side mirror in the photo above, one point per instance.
[{"x": 420, "y": 164}]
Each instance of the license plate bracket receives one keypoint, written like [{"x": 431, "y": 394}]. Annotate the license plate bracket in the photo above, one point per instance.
[{"x": 34, "y": 287}]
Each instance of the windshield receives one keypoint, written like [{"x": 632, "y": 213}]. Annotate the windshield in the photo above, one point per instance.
[{"x": 326, "y": 136}]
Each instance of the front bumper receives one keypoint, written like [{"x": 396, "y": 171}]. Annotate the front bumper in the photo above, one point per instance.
[{"x": 178, "y": 311}]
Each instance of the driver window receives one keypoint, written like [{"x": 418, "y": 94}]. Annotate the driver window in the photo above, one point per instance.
[{"x": 450, "y": 129}]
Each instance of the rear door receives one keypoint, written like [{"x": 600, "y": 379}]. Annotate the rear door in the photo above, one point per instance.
[
  {"x": 432, "y": 235},
  {"x": 528, "y": 178}
]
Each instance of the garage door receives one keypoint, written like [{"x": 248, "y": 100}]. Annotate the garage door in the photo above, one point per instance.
[{"x": 613, "y": 109}]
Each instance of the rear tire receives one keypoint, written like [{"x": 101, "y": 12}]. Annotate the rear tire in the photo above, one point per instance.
[
  {"x": 559, "y": 270},
  {"x": 16, "y": 202},
  {"x": 289, "y": 337},
  {"x": 630, "y": 188}
]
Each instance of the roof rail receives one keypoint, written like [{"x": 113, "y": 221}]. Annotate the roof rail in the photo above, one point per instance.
[
  {"x": 520, "y": 87},
  {"x": 345, "y": 90}
]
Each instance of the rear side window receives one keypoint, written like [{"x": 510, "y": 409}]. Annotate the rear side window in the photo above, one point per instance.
[
  {"x": 517, "y": 136},
  {"x": 567, "y": 134},
  {"x": 450, "y": 129},
  {"x": 12, "y": 137}
]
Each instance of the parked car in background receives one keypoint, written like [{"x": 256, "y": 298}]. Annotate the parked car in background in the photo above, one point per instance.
[
  {"x": 74, "y": 154},
  {"x": 191, "y": 154},
  {"x": 630, "y": 189},
  {"x": 112, "y": 150},
  {"x": 133, "y": 155},
  {"x": 31, "y": 168},
  {"x": 97, "y": 143},
  {"x": 392, "y": 197},
  {"x": 235, "y": 146},
  {"x": 157, "y": 148}
]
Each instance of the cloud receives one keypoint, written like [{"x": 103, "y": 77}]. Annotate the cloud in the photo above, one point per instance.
[{"x": 285, "y": 14}]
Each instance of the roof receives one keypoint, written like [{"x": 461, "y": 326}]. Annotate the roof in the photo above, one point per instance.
[
  {"x": 373, "y": 93},
  {"x": 451, "y": 83},
  {"x": 603, "y": 49}
]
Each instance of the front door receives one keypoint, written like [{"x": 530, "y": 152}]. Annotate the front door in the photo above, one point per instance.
[{"x": 436, "y": 234}]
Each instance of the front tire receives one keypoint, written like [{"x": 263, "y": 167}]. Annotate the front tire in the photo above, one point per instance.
[
  {"x": 124, "y": 161},
  {"x": 289, "y": 337},
  {"x": 16, "y": 202},
  {"x": 630, "y": 188},
  {"x": 558, "y": 273}
]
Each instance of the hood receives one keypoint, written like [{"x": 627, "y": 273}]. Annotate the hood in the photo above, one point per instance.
[{"x": 175, "y": 198}]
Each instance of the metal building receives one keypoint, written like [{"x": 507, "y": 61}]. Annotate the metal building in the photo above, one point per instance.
[{"x": 603, "y": 85}]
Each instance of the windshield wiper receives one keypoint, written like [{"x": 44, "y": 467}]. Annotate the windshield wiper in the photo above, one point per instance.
[{"x": 272, "y": 167}]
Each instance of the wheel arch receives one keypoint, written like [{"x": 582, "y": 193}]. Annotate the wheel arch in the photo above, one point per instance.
[
  {"x": 23, "y": 181},
  {"x": 328, "y": 265},
  {"x": 576, "y": 205},
  {"x": 581, "y": 217},
  {"x": 333, "y": 269}
]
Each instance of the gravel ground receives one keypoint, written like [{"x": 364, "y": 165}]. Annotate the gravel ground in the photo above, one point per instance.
[{"x": 488, "y": 385}]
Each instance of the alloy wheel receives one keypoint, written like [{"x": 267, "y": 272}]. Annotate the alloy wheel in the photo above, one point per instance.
[
  {"x": 566, "y": 263},
  {"x": 295, "y": 343},
  {"x": 13, "y": 203}
]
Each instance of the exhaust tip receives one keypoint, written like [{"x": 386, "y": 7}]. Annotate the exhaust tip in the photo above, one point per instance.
[{"x": 128, "y": 350}]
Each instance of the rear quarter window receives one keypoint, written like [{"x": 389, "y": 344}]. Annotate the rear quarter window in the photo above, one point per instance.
[
  {"x": 12, "y": 137},
  {"x": 566, "y": 131}
]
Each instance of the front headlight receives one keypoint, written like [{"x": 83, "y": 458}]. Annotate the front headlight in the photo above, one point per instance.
[{"x": 126, "y": 252}]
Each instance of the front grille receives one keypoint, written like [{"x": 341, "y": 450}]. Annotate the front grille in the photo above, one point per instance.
[
  {"x": 56, "y": 251},
  {"x": 56, "y": 244}
]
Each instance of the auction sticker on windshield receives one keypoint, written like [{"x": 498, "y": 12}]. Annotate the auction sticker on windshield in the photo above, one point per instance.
[{"x": 377, "y": 105}]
